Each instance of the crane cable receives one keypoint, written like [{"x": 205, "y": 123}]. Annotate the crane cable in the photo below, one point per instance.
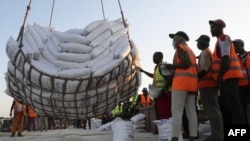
[
  {"x": 52, "y": 11},
  {"x": 123, "y": 19},
  {"x": 20, "y": 35},
  {"x": 124, "y": 22},
  {"x": 103, "y": 10}
]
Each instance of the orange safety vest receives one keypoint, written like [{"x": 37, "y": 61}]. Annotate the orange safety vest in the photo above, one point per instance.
[
  {"x": 145, "y": 101},
  {"x": 185, "y": 79},
  {"x": 16, "y": 108},
  {"x": 245, "y": 68},
  {"x": 32, "y": 113},
  {"x": 207, "y": 80},
  {"x": 234, "y": 70}
]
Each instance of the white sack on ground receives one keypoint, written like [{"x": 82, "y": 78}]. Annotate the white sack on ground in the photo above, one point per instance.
[{"x": 78, "y": 73}]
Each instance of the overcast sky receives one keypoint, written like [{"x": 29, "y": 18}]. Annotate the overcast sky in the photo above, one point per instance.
[{"x": 150, "y": 22}]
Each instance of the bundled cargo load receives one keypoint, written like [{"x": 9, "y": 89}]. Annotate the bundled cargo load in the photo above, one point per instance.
[{"x": 78, "y": 73}]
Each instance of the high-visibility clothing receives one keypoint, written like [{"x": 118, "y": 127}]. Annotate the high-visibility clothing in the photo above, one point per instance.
[
  {"x": 19, "y": 108},
  {"x": 118, "y": 109},
  {"x": 245, "y": 68},
  {"x": 133, "y": 100},
  {"x": 32, "y": 113},
  {"x": 185, "y": 79},
  {"x": 145, "y": 100},
  {"x": 234, "y": 70},
  {"x": 18, "y": 119},
  {"x": 17, "y": 123},
  {"x": 158, "y": 79},
  {"x": 207, "y": 80}
]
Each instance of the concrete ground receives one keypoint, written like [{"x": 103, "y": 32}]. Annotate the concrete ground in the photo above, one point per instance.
[{"x": 74, "y": 134}]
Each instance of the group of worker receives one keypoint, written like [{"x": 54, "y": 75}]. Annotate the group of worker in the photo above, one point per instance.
[
  {"x": 220, "y": 77},
  {"x": 21, "y": 112},
  {"x": 130, "y": 107}
]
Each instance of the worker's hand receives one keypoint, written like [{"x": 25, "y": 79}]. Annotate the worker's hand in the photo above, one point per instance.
[{"x": 139, "y": 69}]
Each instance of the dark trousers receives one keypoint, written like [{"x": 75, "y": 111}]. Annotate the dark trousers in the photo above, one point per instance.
[
  {"x": 229, "y": 100},
  {"x": 244, "y": 97},
  {"x": 32, "y": 124}
]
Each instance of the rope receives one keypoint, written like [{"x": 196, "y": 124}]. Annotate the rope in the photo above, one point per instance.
[
  {"x": 20, "y": 35},
  {"x": 124, "y": 22},
  {"x": 123, "y": 19},
  {"x": 103, "y": 11},
  {"x": 52, "y": 11}
]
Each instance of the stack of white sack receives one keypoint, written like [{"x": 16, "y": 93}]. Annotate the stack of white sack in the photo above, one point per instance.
[
  {"x": 95, "y": 123},
  {"x": 139, "y": 122},
  {"x": 78, "y": 73}
]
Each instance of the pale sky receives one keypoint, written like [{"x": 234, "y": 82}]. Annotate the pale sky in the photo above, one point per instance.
[{"x": 150, "y": 22}]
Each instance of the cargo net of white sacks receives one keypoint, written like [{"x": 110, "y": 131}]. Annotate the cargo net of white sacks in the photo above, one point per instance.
[{"x": 78, "y": 73}]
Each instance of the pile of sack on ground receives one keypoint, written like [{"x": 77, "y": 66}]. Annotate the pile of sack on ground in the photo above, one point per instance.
[
  {"x": 123, "y": 130},
  {"x": 76, "y": 73}
]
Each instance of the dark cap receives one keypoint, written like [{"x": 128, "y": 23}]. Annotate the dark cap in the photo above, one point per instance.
[
  {"x": 144, "y": 90},
  {"x": 238, "y": 41},
  {"x": 218, "y": 22},
  {"x": 204, "y": 39},
  {"x": 180, "y": 33}
]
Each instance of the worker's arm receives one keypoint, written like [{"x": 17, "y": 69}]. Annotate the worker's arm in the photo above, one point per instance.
[
  {"x": 147, "y": 73},
  {"x": 12, "y": 106}
]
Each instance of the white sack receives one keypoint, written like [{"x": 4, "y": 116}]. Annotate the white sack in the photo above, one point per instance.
[
  {"x": 44, "y": 68},
  {"x": 75, "y": 73},
  {"x": 75, "y": 48},
  {"x": 72, "y": 38},
  {"x": 73, "y": 57},
  {"x": 107, "y": 68}
]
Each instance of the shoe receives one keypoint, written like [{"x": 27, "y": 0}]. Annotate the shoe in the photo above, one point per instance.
[
  {"x": 191, "y": 139},
  {"x": 185, "y": 135},
  {"x": 20, "y": 135},
  {"x": 156, "y": 132},
  {"x": 174, "y": 139},
  {"x": 213, "y": 140},
  {"x": 210, "y": 139},
  {"x": 198, "y": 136},
  {"x": 12, "y": 135}
]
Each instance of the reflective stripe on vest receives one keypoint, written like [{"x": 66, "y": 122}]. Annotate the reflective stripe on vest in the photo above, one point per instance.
[
  {"x": 234, "y": 70},
  {"x": 185, "y": 79},
  {"x": 207, "y": 80}
]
